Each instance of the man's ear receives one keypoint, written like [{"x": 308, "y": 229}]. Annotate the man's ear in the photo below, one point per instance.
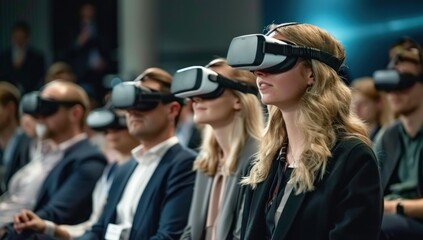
[
  {"x": 77, "y": 113},
  {"x": 174, "y": 109}
]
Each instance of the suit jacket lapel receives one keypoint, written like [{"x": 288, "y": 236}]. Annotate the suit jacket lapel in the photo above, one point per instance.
[
  {"x": 118, "y": 187},
  {"x": 204, "y": 187},
  {"x": 232, "y": 190},
  {"x": 257, "y": 206},
  {"x": 288, "y": 215},
  {"x": 150, "y": 192},
  {"x": 67, "y": 157},
  {"x": 388, "y": 165}
]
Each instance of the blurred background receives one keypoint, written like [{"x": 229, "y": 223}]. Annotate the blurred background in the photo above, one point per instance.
[{"x": 132, "y": 35}]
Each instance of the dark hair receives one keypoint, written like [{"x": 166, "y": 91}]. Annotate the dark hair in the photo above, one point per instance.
[
  {"x": 21, "y": 26},
  {"x": 9, "y": 93},
  {"x": 412, "y": 43}
]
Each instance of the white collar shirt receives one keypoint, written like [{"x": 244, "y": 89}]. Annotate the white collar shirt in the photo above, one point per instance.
[
  {"x": 147, "y": 164},
  {"x": 25, "y": 184}
]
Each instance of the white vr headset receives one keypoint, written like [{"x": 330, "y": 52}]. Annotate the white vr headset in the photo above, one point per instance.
[
  {"x": 198, "y": 81},
  {"x": 102, "y": 119},
  {"x": 267, "y": 54}
]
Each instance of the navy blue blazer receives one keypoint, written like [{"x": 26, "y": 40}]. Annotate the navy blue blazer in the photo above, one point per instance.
[
  {"x": 163, "y": 209},
  {"x": 66, "y": 195},
  {"x": 20, "y": 157}
]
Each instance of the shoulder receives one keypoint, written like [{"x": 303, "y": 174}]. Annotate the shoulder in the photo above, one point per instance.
[
  {"x": 35, "y": 52},
  {"x": 247, "y": 155},
  {"x": 352, "y": 152},
  {"x": 85, "y": 150},
  {"x": 5, "y": 53},
  {"x": 393, "y": 128},
  {"x": 180, "y": 153}
]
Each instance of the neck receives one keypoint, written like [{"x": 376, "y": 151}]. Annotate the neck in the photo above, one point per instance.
[
  {"x": 296, "y": 137},
  {"x": 223, "y": 137},
  {"x": 122, "y": 157},
  {"x": 65, "y": 136},
  {"x": 157, "y": 139},
  {"x": 413, "y": 122}
]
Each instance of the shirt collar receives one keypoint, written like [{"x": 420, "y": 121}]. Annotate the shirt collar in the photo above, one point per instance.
[
  {"x": 405, "y": 135},
  {"x": 159, "y": 150},
  {"x": 64, "y": 145}
]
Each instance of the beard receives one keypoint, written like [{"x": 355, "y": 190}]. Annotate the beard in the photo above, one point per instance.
[{"x": 404, "y": 110}]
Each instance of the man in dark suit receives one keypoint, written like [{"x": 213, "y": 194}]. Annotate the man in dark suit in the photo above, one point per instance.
[
  {"x": 58, "y": 181},
  {"x": 13, "y": 140},
  {"x": 151, "y": 194},
  {"x": 21, "y": 64},
  {"x": 89, "y": 51}
]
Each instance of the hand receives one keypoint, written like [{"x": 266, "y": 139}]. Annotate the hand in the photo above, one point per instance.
[
  {"x": 2, "y": 232},
  {"x": 390, "y": 206},
  {"x": 27, "y": 219}
]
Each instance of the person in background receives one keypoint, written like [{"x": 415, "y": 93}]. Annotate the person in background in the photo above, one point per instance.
[
  {"x": 22, "y": 65},
  {"x": 315, "y": 175},
  {"x": 233, "y": 124},
  {"x": 400, "y": 148},
  {"x": 60, "y": 70},
  {"x": 58, "y": 181},
  {"x": 118, "y": 139},
  {"x": 187, "y": 131},
  {"x": 89, "y": 52},
  {"x": 12, "y": 139},
  {"x": 151, "y": 193},
  {"x": 371, "y": 106}
]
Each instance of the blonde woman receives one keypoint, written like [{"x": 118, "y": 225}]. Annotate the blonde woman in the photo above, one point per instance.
[
  {"x": 315, "y": 176},
  {"x": 233, "y": 123}
]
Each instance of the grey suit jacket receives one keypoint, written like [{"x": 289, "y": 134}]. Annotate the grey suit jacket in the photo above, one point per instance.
[{"x": 228, "y": 214}]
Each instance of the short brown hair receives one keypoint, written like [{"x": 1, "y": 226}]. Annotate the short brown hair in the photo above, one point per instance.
[
  {"x": 159, "y": 75},
  {"x": 9, "y": 93}
]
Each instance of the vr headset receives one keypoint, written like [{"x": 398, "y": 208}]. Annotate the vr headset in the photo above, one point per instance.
[
  {"x": 103, "y": 119},
  {"x": 267, "y": 54},
  {"x": 197, "y": 81},
  {"x": 32, "y": 103},
  {"x": 128, "y": 95},
  {"x": 392, "y": 80}
]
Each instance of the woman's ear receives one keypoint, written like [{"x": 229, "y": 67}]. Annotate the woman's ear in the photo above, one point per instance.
[
  {"x": 310, "y": 77},
  {"x": 237, "y": 104}
]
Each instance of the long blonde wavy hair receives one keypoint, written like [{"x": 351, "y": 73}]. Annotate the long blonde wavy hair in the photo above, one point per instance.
[
  {"x": 324, "y": 111},
  {"x": 248, "y": 123}
]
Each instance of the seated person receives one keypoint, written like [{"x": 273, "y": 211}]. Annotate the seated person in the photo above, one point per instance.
[
  {"x": 58, "y": 181},
  {"x": 113, "y": 124},
  {"x": 151, "y": 194}
]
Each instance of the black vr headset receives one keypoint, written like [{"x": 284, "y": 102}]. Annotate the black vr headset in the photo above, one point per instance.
[
  {"x": 197, "y": 81},
  {"x": 267, "y": 54},
  {"x": 102, "y": 119},
  {"x": 33, "y": 104},
  {"x": 128, "y": 95},
  {"x": 392, "y": 80}
]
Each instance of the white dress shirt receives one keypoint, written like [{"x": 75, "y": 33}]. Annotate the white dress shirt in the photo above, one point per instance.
[
  {"x": 25, "y": 184},
  {"x": 100, "y": 193},
  {"x": 147, "y": 164}
]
